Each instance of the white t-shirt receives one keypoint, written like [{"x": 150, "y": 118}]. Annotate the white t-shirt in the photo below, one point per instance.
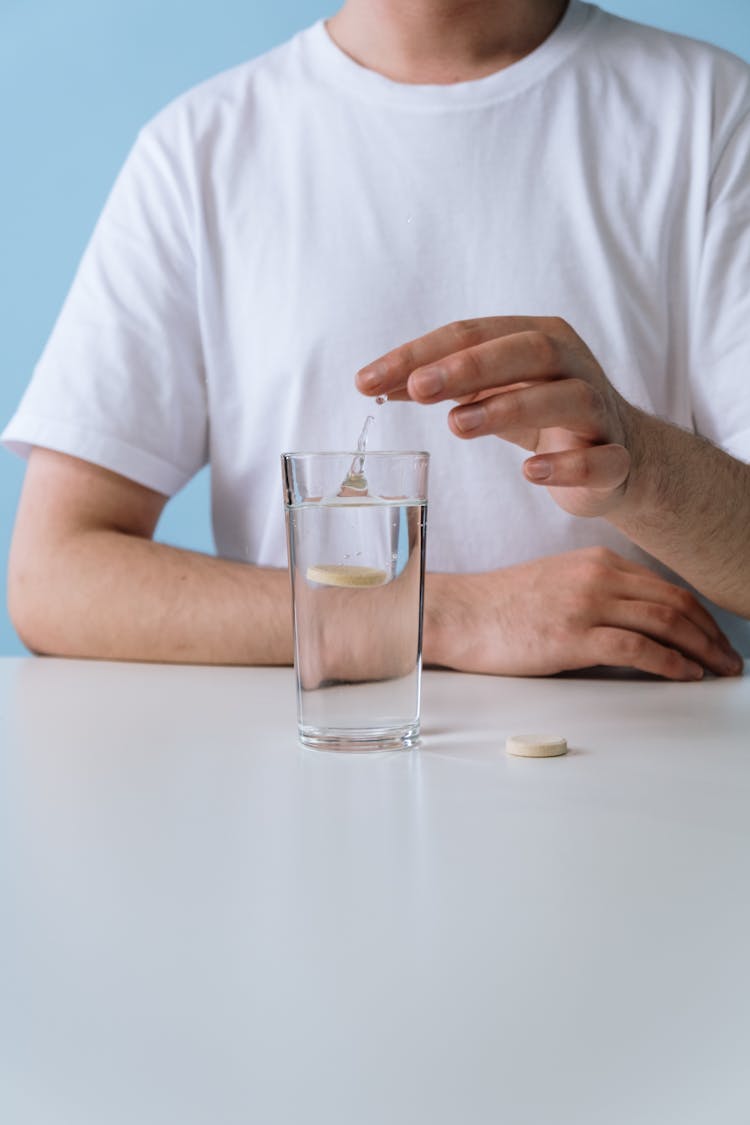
[{"x": 279, "y": 226}]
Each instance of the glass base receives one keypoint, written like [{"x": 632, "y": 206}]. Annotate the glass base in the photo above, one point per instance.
[{"x": 353, "y": 740}]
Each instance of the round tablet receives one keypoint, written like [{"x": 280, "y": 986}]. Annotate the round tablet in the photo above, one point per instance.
[
  {"x": 333, "y": 575},
  {"x": 536, "y": 745}
]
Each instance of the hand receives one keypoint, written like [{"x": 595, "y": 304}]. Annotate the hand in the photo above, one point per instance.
[
  {"x": 584, "y": 608},
  {"x": 531, "y": 381}
]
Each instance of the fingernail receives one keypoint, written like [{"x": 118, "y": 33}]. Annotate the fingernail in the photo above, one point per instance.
[
  {"x": 695, "y": 672},
  {"x": 732, "y": 663},
  {"x": 469, "y": 418},
  {"x": 369, "y": 378},
  {"x": 429, "y": 381},
  {"x": 538, "y": 469}
]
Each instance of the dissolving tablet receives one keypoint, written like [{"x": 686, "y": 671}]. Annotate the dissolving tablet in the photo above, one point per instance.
[{"x": 334, "y": 575}]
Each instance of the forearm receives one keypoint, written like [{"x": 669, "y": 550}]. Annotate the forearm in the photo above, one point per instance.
[
  {"x": 107, "y": 595},
  {"x": 689, "y": 506}
]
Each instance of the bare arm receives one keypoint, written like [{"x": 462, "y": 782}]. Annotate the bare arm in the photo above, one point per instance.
[
  {"x": 688, "y": 503},
  {"x": 86, "y": 580}
]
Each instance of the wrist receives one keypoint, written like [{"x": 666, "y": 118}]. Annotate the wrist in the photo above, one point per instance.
[
  {"x": 436, "y": 624},
  {"x": 647, "y": 440},
  {"x": 450, "y": 619}
]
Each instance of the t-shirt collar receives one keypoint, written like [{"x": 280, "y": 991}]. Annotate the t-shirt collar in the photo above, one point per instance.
[{"x": 328, "y": 62}]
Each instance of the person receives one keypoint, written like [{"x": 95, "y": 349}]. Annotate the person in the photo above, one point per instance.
[{"x": 518, "y": 219}]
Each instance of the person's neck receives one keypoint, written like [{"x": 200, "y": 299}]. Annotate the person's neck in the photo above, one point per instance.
[{"x": 442, "y": 41}]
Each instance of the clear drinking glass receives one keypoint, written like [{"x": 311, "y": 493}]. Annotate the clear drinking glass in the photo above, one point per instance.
[{"x": 356, "y": 540}]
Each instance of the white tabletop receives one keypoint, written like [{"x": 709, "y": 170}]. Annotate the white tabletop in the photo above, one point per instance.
[{"x": 204, "y": 923}]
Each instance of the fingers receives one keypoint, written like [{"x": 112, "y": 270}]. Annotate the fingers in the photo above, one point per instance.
[
  {"x": 389, "y": 374},
  {"x": 603, "y": 467},
  {"x": 624, "y": 649},
  {"x": 666, "y": 624},
  {"x": 645, "y": 585},
  {"x": 571, "y": 404},
  {"x": 675, "y": 614},
  {"x": 628, "y": 598},
  {"x": 496, "y": 363}
]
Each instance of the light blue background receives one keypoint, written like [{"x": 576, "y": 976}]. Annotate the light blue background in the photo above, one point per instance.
[{"x": 77, "y": 80}]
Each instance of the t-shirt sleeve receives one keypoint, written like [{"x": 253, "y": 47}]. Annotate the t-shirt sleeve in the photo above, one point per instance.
[
  {"x": 720, "y": 363},
  {"x": 121, "y": 381}
]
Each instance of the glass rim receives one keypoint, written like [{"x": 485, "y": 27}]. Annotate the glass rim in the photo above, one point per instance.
[{"x": 357, "y": 453}]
